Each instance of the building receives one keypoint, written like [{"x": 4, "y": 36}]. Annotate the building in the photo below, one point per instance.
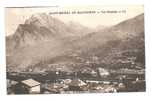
[
  {"x": 103, "y": 72},
  {"x": 56, "y": 88},
  {"x": 31, "y": 86},
  {"x": 92, "y": 81},
  {"x": 66, "y": 81},
  {"x": 76, "y": 85}
]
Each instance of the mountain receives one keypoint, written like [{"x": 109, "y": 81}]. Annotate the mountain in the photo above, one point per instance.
[
  {"x": 43, "y": 40},
  {"x": 79, "y": 29},
  {"x": 44, "y": 27},
  {"x": 128, "y": 28}
]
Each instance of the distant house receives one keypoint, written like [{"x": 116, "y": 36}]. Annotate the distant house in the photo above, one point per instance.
[
  {"x": 31, "y": 86},
  {"x": 66, "y": 81},
  {"x": 76, "y": 85},
  {"x": 103, "y": 72},
  {"x": 56, "y": 88},
  {"x": 91, "y": 81}
]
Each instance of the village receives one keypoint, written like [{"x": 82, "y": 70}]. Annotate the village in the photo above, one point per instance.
[
  {"x": 87, "y": 76},
  {"x": 65, "y": 83}
]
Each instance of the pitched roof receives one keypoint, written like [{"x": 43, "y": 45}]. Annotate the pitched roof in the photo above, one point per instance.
[
  {"x": 30, "y": 82},
  {"x": 77, "y": 82}
]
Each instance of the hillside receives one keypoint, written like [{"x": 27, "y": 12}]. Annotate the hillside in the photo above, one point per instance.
[{"x": 44, "y": 40}]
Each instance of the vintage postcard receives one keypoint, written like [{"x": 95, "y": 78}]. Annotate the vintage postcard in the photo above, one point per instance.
[{"x": 75, "y": 49}]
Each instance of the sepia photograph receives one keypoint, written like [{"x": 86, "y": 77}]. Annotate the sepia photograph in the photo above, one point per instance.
[{"x": 75, "y": 49}]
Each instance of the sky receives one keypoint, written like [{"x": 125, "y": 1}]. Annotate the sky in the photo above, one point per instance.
[{"x": 15, "y": 16}]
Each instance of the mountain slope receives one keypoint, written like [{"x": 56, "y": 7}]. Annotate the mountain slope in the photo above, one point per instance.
[
  {"x": 54, "y": 44},
  {"x": 43, "y": 27}
]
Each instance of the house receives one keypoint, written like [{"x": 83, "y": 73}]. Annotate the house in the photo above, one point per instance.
[
  {"x": 56, "y": 88},
  {"x": 76, "y": 85},
  {"x": 121, "y": 87},
  {"x": 91, "y": 81},
  {"x": 31, "y": 86},
  {"x": 103, "y": 72},
  {"x": 110, "y": 88},
  {"x": 66, "y": 81}
]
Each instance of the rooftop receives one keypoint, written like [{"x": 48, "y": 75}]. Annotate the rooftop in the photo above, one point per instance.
[
  {"x": 30, "y": 82},
  {"x": 77, "y": 82}
]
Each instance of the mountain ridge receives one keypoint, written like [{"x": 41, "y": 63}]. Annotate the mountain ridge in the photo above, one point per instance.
[{"x": 93, "y": 44}]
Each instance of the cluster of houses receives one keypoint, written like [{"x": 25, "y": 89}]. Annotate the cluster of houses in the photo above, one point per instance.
[
  {"x": 74, "y": 85},
  {"x": 31, "y": 86}
]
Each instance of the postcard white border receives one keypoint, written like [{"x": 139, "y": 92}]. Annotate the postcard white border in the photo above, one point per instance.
[{"x": 106, "y": 96}]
